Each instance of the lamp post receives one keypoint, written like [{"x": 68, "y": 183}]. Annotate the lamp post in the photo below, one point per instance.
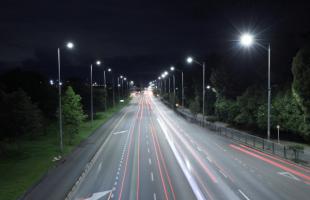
[
  {"x": 172, "y": 68},
  {"x": 69, "y": 45},
  {"x": 247, "y": 40},
  {"x": 191, "y": 60},
  {"x": 98, "y": 63},
  {"x": 278, "y": 127}
]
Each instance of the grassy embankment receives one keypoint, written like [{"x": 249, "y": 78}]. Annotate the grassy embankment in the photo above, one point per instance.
[{"x": 22, "y": 168}]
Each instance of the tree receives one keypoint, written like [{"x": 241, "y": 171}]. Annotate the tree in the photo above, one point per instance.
[
  {"x": 248, "y": 104},
  {"x": 72, "y": 112},
  {"x": 226, "y": 110},
  {"x": 194, "y": 106},
  {"x": 301, "y": 85},
  {"x": 19, "y": 116}
]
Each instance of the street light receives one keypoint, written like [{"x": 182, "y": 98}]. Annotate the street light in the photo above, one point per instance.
[
  {"x": 191, "y": 60},
  {"x": 69, "y": 45},
  {"x": 172, "y": 68},
  {"x": 247, "y": 40},
  {"x": 98, "y": 62}
]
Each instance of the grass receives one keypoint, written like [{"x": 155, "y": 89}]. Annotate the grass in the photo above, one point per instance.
[{"x": 21, "y": 169}]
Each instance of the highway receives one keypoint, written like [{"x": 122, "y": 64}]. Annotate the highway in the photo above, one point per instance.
[{"x": 152, "y": 153}]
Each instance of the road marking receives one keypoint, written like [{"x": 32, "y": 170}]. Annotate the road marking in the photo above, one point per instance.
[
  {"x": 289, "y": 175},
  {"x": 222, "y": 173},
  {"x": 199, "y": 149},
  {"x": 154, "y": 196},
  {"x": 152, "y": 176},
  {"x": 99, "y": 167},
  {"x": 115, "y": 183},
  {"x": 209, "y": 159},
  {"x": 150, "y": 161},
  {"x": 119, "y": 132},
  {"x": 148, "y": 150},
  {"x": 247, "y": 198},
  {"x": 98, "y": 195}
]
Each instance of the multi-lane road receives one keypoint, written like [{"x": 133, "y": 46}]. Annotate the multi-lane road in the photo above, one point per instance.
[{"x": 152, "y": 153}]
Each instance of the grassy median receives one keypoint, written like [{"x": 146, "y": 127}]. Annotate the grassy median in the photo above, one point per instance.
[{"x": 21, "y": 169}]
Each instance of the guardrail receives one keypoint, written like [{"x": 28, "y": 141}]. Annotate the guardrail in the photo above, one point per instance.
[{"x": 259, "y": 143}]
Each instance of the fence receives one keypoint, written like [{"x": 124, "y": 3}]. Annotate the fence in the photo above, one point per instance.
[{"x": 261, "y": 144}]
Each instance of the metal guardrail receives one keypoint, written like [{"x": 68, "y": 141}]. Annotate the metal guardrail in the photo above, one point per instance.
[{"x": 258, "y": 143}]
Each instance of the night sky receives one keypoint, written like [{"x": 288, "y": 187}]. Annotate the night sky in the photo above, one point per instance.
[{"x": 141, "y": 38}]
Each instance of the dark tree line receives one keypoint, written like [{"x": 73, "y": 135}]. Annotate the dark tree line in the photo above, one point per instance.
[{"x": 29, "y": 104}]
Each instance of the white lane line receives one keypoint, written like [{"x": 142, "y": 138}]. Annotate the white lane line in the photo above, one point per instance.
[
  {"x": 209, "y": 159},
  {"x": 222, "y": 173},
  {"x": 199, "y": 149},
  {"x": 115, "y": 183},
  {"x": 116, "y": 133},
  {"x": 247, "y": 198},
  {"x": 148, "y": 150},
  {"x": 154, "y": 196},
  {"x": 152, "y": 176},
  {"x": 150, "y": 161}
]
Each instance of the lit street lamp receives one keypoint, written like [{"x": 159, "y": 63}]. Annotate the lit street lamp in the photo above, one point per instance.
[
  {"x": 172, "y": 68},
  {"x": 69, "y": 45},
  {"x": 247, "y": 40},
  {"x": 191, "y": 60}
]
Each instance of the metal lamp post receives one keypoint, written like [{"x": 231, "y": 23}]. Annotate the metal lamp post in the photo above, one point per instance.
[
  {"x": 69, "y": 45},
  {"x": 191, "y": 60},
  {"x": 172, "y": 68},
  {"x": 247, "y": 40}
]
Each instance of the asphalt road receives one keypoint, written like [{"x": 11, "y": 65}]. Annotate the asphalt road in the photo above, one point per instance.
[{"x": 152, "y": 153}]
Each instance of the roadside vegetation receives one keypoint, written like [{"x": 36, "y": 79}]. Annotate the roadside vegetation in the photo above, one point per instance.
[
  {"x": 29, "y": 137},
  {"x": 238, "y": 96}
]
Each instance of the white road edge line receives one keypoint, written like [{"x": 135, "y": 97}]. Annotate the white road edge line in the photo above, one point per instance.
[
  {"x": 247, "y": 198},
  {"x": 154, "y": 196}
]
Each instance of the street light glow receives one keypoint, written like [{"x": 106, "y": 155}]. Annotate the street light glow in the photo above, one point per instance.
[
  {"x": 166, "y": 73},
  {"x": 246, "y": 39},
  {"x": 109, "y": 70},
  {"x": 98, "y": 62},
  {"x": 121, "y": 76},
  {"x": 189, "y": 59},
  {"x": 208, "y": 87},
  {"x": 125, "y": 78},
  {"x": 172, "y": 68},
  {"x": 159, "y": 78},
  {"x": 70, "y": 45}
]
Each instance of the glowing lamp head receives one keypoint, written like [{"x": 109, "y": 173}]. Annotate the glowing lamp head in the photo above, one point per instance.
[
  {"x": 246, "y": 39},
  {"x": 189, "y": 60},
  {"x": 125, "y": 78},
  {"x": 109, "y": 70},
  {"x": 70, "y": 45},
  {"x": 98, "y": 62},
  {"x": 159, "y": 78},
  {"x": 121, "y": 76},
  {"x": 166, "y": 73},
  {"x": 172, "y": 68}
]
